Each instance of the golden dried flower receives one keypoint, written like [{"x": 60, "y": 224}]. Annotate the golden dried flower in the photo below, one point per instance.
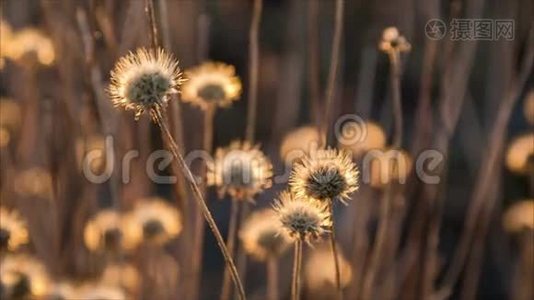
[
  {"x": 373, "y": 138},
  {"x": 144, "y": 80},
  {"x": 386, "y": 166},
  {"x": 325, "y": 175},
  {"x": 262, "y": 235},
  {"x": 13, "y": 230},
  {"x": 29, "y": 41},
  {"x": 392, "y": 40},
  {"x": 121, "y": 275},
  {"x": 529, "y": 108},
  {"x": 520, "y": 155},
  {"x": 158, "y": 220},
  {"x": 34, "y": 182},
  {"x": 322, "y": 259},
  {"x": 298, "y": 143},
  {"x": 211, "y": 83},
  {"x": 520, "y": 216},
  {"x": 302, "y": 218},
  {"x": 23, "y": 277},
  {"x": 241, "y": 170},
  {"x": 108, "y": 231}
]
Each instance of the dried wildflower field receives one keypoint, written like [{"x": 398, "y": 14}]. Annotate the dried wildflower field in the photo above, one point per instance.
[{"x": 266, "y": 149}]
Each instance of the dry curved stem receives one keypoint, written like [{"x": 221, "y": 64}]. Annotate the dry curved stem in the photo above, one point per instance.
[
  {"x": 395, "y": 73},
  {"x": 272, "y": 278},
  {"x": 149, "y": 10},
  {"x": 297, "y": 264},
  {"x": 332, "y": 73},
  {"x": 254, "y": 54},
  {"x": 179, "y": 160}
]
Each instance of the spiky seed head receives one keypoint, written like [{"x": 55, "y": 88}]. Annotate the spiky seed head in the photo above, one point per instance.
[
  {"x": 302, "y": 218},
  {"x": 105, "y": 232},
  {"x": 241, "y": 170},
  {"x": 157, "y": 220},
  {"x": 143, "y": 80},
  {"x": 211, "y": 84},
  {"x": 520, "y": 155},
  {"x": 325, "y": 175},
  {"x": 520, "y": 216},
  {"x": 13, "y": 230},
  {"x": 23, "y": 277},
  {"x": 393, "y": 41},
  {"x": 262, "y": 235}
]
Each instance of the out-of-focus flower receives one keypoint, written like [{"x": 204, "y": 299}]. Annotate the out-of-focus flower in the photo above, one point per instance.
[
  {"x": 529, "y": 107},
  {"x": 520, "y": 155},
  {"x": 29, "y": 42},
  {"x": 144, "y": 80},
  {"x": 109, "y": 231},
  {"x": 387, "y": 166},
  {"x": 23, "y": 277},
  {"x": 393, "y": 41},
  {"x": 320, "y": 269},
  {"x": 241, "y": 170},
  {"x": 13, "y": 230},
  {"x": 262, "y": 235},
  {"x": 158, "y": 221},
  {"x": 63, "y": 291},
  {"x": 369, "y": 138},
  {"x": 211, "y": 83},
  {"x": 10, "y": 114},
  {"x": 121, "y": 275},
  {"x": 520, "y": 216},
  {"x": 6, "y": 34},
  {"x": 325, "y": 175},
  {"x": 5, "y": 137},
  {"x": 302, "y": 218},
  {"x": 98, "y": 291},
  {"x": 298, "y": 143},
  {"x": 34, "y": 182},
  {"x": 95, "y": 146}
]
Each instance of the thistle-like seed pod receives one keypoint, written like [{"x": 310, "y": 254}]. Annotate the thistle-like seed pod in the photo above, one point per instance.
[
  {"x": 13, "y": 230},
  {"x": 392, "y": 40},
  {"x": 302, "y": 218},
  {"x": 520, "y": 155},
  {"x": 23, "y": 277},
  {"x": 108, "y": 231},
  {"x": 211, "y": 84},
  {"x": 144, "y": 80},
  {"x": 520, "y": 216},
  {"x": 325, "y": 175}
]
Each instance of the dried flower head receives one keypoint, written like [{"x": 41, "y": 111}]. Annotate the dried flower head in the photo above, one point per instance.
[
  {"x": 393, "y": 41},
  {"x": 28, "y": 43},
  {"x": 529, "y": 107},
  {"x": 13, "y": 230},
  {"x": 262, "y": 235},
  {"x": 121, "y": 275},
  {"x": 23, "y": 277},
  {"x": 142, "y": 81},
  {"x": 520, "y": 216},
  {"x": 10, "y": 114},
  {"x": 386, "y": 166},
  {"x": 34, "y": 182},
  {"x": 325, "y": 175},
  {"x": 321, "y": 259},
  {"x": 211, "y": 83},
  {"x": 370, "y": 136},
  {"x": 241, "y": 170},
  {"x": 520, "y": 155},
  {"x": 302, "y": 218},
  {"x": 298, "y": 143},
  {"x": 158, "y": 220},
  {"x": 108, "y": 231}
]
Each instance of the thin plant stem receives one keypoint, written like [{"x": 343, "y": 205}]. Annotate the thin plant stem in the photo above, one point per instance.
[
  {"x": 200, "y": 225},
  {"x": 149, "y": 10},
  {"x": 197, "y": 193},
  {"x": 313, "y": 61},
  {"x": 272, "y": 278},
  {"x": 394, "y": 75},
  {"x": 378, "y": 248},
  {"x": 230, "y": 244},
  {"x": 297, "y": 262},
  {"x": 254, "y": 55},
  {"x": 332, "y": 73},
  {"x": 333, "y": 246}
]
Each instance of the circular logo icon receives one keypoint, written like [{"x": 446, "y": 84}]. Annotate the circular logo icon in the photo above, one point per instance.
[{"x": 435, "y": 29}]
